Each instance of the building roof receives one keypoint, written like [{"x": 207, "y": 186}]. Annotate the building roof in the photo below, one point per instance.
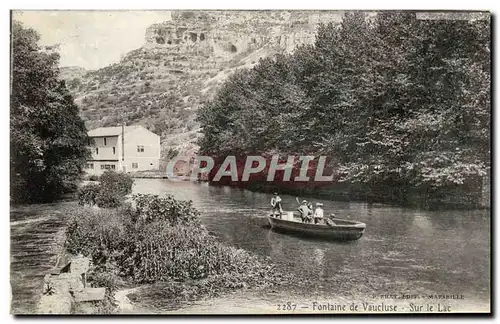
[{"x": 111, "y": 131}]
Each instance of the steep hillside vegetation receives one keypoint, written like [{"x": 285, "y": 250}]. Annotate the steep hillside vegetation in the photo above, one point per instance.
[{"x": 162, "y": 84}]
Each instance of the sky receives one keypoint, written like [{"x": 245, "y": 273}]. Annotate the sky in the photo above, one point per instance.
[{"x": 91, "y": 39}]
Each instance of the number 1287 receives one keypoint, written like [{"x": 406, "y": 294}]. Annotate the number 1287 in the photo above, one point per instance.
[{"x": 287, "y": 306}]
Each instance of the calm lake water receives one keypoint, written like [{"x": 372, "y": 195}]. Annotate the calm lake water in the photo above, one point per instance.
[{"x": 403, "y": 251}]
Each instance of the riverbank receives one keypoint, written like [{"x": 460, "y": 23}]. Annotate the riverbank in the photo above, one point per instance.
[
  {"x": 457, "y": 198},
  {"x": 403, "y": 249},
  {"x": 153, "y": 239},
  {"x": 123, "y": 303},
  {"x": 49, "y": 246},
  {"x": 453, "y": 252},
  {"x": 149, "y": 174}
]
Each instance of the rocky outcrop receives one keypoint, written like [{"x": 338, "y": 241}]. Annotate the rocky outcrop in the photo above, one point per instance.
[
  {"x": 66, "y": 286},
  {"x": 71, "y": 72},
  {"x": 181, "y": 65},
  {"x": 225, "y": 34}
]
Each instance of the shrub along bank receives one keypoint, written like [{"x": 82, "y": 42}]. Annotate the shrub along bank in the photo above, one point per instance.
[
  {"x": 160, "y": 239},
  {"x": 109, "y": 192}
]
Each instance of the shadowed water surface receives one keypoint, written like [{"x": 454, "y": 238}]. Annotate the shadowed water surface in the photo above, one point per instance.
[
  {"x": 402, "y": 251},
  {"x": 36, "y": 237}
]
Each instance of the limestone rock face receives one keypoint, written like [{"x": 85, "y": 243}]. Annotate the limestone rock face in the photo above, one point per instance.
[{"x": 227, "y": 33}]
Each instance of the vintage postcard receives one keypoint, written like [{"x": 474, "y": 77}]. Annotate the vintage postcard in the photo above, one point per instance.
[{"x": 250, "y": 162}]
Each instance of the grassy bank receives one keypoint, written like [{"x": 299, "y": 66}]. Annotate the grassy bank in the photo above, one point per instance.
[{"x": 150, "y": 240}]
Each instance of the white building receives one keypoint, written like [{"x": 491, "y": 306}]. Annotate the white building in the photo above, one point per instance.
[{"x": 123, "y": 148}]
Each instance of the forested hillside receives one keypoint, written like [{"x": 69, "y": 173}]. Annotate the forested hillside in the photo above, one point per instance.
[{"x": 400, "y": 105}]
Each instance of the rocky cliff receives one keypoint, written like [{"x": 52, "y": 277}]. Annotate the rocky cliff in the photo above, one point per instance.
[
  {"x": 163, "y": 83},
  {"x": 225, "y": 34}
]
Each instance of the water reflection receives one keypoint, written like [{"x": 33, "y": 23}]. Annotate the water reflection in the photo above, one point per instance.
[
  {"x": 402, "y": 249},
  {"x": 319, "y": 256}
]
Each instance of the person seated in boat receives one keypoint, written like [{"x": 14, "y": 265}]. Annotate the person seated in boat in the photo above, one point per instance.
[
  {"x": 276, "y": 204},
  {"x": 318, "y": 213},
  {"x": 329, "y": 220},
  {"x": 310, "y": 206},
  {"x": 305, "y": 212}
]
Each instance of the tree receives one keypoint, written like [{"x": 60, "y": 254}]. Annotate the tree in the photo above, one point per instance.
[
  {"x": 75, "y": 83},
  {"x": 48, "y": 138},
  {"x": 393, "y": 100}
]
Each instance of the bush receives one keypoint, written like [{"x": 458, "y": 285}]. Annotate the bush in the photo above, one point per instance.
[
  {"x": 151, "y": 208},
  {"x": 109, "y": 193},
  {"x": 95, "y": 232},
  {"x": 109, "y": 199},
  {"x": 189, "y": 252},
  {"x": 160, "y": 239},
  {"x": 171, "y": 153},
  {"x": 119, "y": 181},
  {"x": 87, "y": 195}
]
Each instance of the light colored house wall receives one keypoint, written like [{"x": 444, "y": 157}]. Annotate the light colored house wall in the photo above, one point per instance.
[
  {"x": 133, "y": 159},
  {"x": 148, "y": 159},
  {"x": 106, "y": 150},
  {"x": 98, "y": 170}
]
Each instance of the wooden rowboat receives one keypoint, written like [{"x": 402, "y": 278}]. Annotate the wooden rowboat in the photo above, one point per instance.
[{"x": 343, "y": 230}]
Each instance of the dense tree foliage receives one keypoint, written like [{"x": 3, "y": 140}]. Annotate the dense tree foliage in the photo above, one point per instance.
[
  {"x": 110, "y": 192},
  {"x": 393, "y": 100},
  {"x": 48, "y": 138}
]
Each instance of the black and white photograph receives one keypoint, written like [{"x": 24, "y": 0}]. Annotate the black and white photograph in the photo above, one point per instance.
[{"x": 250, "y": 162}]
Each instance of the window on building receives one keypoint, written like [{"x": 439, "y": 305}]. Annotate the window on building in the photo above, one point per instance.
[
  {"x": 114, "y": 150},
  {"x": 105, "y": 141},
  {"x": 140, "y": 148},
  {"x": 96, "y": 150},
  {"x": 108, "y": 167},
  {"x": 135, "y": 165},
  {"x": 89, "y": 166},
  {"x": 89, "y": 142}
]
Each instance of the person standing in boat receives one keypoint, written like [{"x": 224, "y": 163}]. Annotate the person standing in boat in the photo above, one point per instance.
[
  {"x": 305, "y": 212},
  {"x": 311, "y": 211},
  {"x": 318, "y": 213},
  {"x": 276, "y": 203}
]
